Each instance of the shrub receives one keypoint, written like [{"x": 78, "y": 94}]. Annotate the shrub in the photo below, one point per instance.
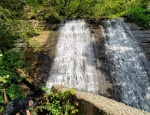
[
  {"x": 50, "y": 15},
  {"x": 140, "y": 16},
  {"x": 8, "y": 62},
  {"x": 58, "y": 103}
]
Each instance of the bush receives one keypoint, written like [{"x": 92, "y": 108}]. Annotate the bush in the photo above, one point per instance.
[
  {"x": 58, "y": 103},
  {"x": 16, "y": 29},
  {"x": 50, "y": 15},
  {"x": 8, "y": 62},
  {"x": 73, "y": 8},
  {"x": 13, "y": 4},
  {"x": 14, "y": 92},
  {"x": 140, "y": 16}
]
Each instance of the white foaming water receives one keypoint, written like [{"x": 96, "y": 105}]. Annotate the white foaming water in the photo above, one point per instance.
[
  {"x": 129, "y": 69},
  {"x": 75, "y": 65}
]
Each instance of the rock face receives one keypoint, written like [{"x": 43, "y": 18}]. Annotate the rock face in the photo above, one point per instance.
[
  {"x": 92, "y": 104},
  {"x": 143, "y": 38},
  {"x": 101, "y": 59},
  {"x": 44, "y": 59}
]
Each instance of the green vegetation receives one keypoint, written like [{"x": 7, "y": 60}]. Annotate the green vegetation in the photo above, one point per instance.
[
  {"x": 56, "y": 11},
  {"x": 57, "y": 103},
  {"x": 140, "y": 14},
  {"x": 13, "y": 27},
  {"x": 18, "y": 21},
  {"x": 9, "y": 79}
]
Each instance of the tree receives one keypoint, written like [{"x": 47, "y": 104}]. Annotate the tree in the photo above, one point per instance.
[{"x": 74, "y": 8}]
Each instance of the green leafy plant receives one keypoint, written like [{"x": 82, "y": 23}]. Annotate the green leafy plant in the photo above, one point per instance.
[
  {"x": 14, "y": 92},
  {"x": 8, "y": 76},
  {"x": 57, "y": 103},
  {"x": 140, "y": 16}
]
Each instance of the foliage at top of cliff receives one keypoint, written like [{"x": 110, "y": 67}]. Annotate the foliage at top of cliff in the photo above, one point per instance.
[{"x": 60, "y": 9}]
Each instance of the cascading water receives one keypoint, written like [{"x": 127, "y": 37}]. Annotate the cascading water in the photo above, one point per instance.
[
  {"x": 75, "y": 65},
  {"x": 129, "y": 68}
]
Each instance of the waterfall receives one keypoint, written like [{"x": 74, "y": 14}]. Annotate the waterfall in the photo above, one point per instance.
[
  {"x": 129, "y": 68},
  {"x": 74, "y": 64}
]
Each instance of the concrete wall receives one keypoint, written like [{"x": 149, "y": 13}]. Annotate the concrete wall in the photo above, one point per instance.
[{"x": 92, "y": 104}]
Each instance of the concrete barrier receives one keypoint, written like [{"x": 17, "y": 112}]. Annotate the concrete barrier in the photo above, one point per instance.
[{"x": 93, "y": 104}]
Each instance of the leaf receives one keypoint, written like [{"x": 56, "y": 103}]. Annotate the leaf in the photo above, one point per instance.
[
  {"x": 72, "y": 91},
  {"x": 74, "y": 111},
  {"x": 4, "y": 79}
]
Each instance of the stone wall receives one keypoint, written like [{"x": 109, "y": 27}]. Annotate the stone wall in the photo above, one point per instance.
[{"x": 93, "y": 104}]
